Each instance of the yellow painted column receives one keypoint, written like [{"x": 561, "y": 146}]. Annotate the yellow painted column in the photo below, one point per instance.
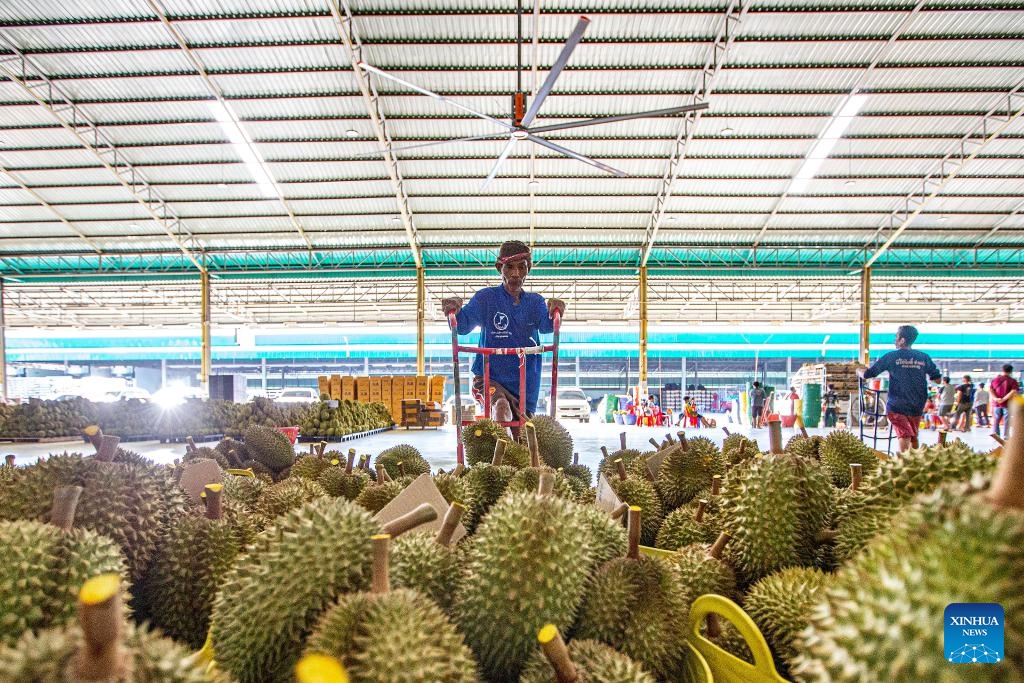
[
  {"x": 204, "y": 365},
  {"x": 865, "y": 317},
  {"x": 3, "y": 345},
  {"x": 421, "y": 304},
  {"x": 642, "y": 382}
]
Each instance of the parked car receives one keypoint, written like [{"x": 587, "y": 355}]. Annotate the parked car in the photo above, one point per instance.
[
  {"x": 602, "y": 406},
  {"x": 131, "y": 393},
  {"x": 572, "y": 404},
  {"x": 297, "y": 395}
]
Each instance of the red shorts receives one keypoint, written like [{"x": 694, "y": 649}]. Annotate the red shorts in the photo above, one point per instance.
[{"x": 905, "y": 426}]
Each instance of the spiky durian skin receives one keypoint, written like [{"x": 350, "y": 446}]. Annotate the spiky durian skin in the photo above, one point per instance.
[
  {"x": 839, "y": 450},
  {"x": 269, "y": 447},
  {"x": 410, "y": 457},
  {"x": 418, "y": 562},
  {"x": 337, "y": 483},
  {"x": 527, "y": 480},
  {"x": 479, "y": 439},
  {"x": 595, "y": 663},
  {"x": 28, "y": 494},
  {"x": 454, "y": 489},
  {"x": 524, "y": 565},
  {"x": 517, "y": 455},
  {"x": 804, "y": 446},
  {"x": 731, "y": 449},
  {"x": 375, "y": 496},
  {"x": 773, "y": 507},
  {"x": 46, "y": 657},
  {"x": 878, "y": 621},
  {"x": 179, "y": 587},
  {"x": 581, "y": 472},
  {"x": 244, "y": 490},
  {"x": 781, "y": 604},
  {"x": 686, "y": 471},
  {"x": 607, "y": 536},
  {"x": 309, "y": 467},
  {"x": 486, "y": 483},
  {"x": 638, "y": 607},
  {"x": 679, "y": 528},
  {"x": 42, "y": 570},
  {"x": 641, "y": 493},
  {"x": 609, "y": 469},
  {"x": 287, "y": 495},
  {"x": 699, "y": 573},
  {"x": 553, "y": 441},
  {"x": 274, "y": 593}
]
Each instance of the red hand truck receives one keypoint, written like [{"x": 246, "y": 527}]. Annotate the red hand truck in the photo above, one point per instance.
[{"x": 486, "y": 352}]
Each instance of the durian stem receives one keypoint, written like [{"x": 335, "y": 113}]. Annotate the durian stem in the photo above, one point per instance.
[
  {"x": 108, "y": 448},
  {"x": 382, "y": 474},
  {"x": 826, "y": 536},
  {"x": 10, "y": 457},
  {"x": 557, "y": 654},
  {"x": 620, "y": 511},
  {"x": 499, "y": 452},
  {"x": 622, "y": 440},
  {"x": 620, "y": 467},
  {"x": 668, "y": 437},
  {"x": 95, "y": 435},
  {"x": 214, "y": 508},
  {"x": 682, "y": 440},
  {"x": 311, "y": 450},
  {"x": 654, "y": 442},
  {"x": 1000, "y": 440},
  {"x": 575, "y": 459},
  {"x": 633, "y": 533},
  {"x": 775, "y": 436},
  {"x": 719, "y": 546},
  {"x": 1007, "y": 489},
  {"x": 459, "y": 469},
  {"x": 742, "y": 448},
  {"x": 421, "y": 514},
  {"x": 856, "y": 475},
  {"x": 450, "y": 523},
  {"x": 702, "y": 506},
  {"x": 716, "y": 485},
  {"x": 401, "y": 469},
  {"x": 650, "y": 472},
  {"x": 65, "y": 502},
  {"x": 381, "y": 546},
  {"x": 546, "y": 484},
  {"x": 714, "y": 626},
  {"x": 942, "y": 438},
  {"x": 101, "y": 657},
  {"x": 531, "y": 441},
  {"x": 726, "y": 430},
  {"x": 321, "y": 446},
  {"x": 190, "y": 445},
  {"x": 234, "y": 460},
  {"x": 604, "y": 452},
  {"x": 351, "y": 461}
]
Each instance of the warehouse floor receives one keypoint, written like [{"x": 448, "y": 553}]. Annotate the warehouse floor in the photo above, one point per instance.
[{"x": 438, "y": 445}]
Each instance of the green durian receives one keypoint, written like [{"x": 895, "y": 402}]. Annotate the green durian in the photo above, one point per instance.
[
  {"x": 527, "y": 479},
  {"x": 309, "y": 467},
  {"x": 609, "y": 469},
  {"x": 553, "y": 441},
  {"x": 642, "y": 494},
  {"x": 287, "y": 495},
  {"x": 839, "y": 450},
  {"x": 523, "y": 567},
  {"x": 375, "y": 496},
  {"x": 342, "y": 479},
  {"x": 453, "y": 488},
  {"x": 479, "y": 439},
  {"x": 737, "y": 449},
  {"x": 595, "y": 662},
  {"x": 805, "y": 446},
  {"x": 686, "y": 525},
  {"x": 420, "y": 563},
  {"x": 580, "y": 472},
  {"x": 245, "y": 491},
  {"x": 235, "y": 451},
  {"x": 702, "y": 570},
  {"x": 269, "y": 447},
  {"x": 412, "y": 461},
  {"x": 607, "y": 536},
  {"x": 517, "y": 455},
  {"x": 687, "y": 469},
  {"x": 486, "y": 483}
]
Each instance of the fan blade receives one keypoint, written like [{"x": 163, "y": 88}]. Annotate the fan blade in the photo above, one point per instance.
[
  {"x": 576, "y": 155},
  {"x": 574, "y": 38},
  {"x": 377, "y": 153},
  {"x": 671, "y": 111},
  {"x": 430, "y": 93},
  {"x": 497, "y": 164}
]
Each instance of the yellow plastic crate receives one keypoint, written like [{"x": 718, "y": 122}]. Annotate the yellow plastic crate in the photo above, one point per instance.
[{"x": 724, "y": 667}]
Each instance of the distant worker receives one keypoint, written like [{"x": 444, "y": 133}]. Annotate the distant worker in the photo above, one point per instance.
[
  {"x": 757, "y": 397},
  {"x": 1003, "y": 387},
  {"x": 508, "y": 317},
  {"x": 831, "y": 403},
  {"x": 947, "y": 399},
  {"x": 909, "y": 372},
  {"x": 964, "y": 404},
  {"x": 981, "y": 399}
]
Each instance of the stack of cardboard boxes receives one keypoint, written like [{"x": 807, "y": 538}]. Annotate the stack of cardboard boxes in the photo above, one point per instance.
[{"x": 414, "y": 401}]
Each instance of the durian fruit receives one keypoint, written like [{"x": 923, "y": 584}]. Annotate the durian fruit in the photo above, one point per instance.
[
  {"x": 410, "y": 459},
  {"x": 642, "y": 494},
  {"x": 479, "y": 440},
  {"x": 452, "y": 487},
  {"x": 687, "y": 469},
  {"x": 781, "y": 604},
  {"x": 522, "y": 570},
  {"x": 287, "y": 495},
  {"x": 274, "y": 593},
  {"x": 44, "y": 565},
  {"x": 609, "y": 469},
  {"x": 580, "y": 476},
  {"x": 636, "y": 605},
  {"x": 582, "y": 660},
  {"x": 517, "y": 455},
  {"x": 839, "y": 449},
  {"x": 243, "y": 490},
  {"x": 8, "y": 470},
  {"x": 527, "y": 479},
  {"x": 309, "y": 467},
  {"x": 196, "y": 552},
  {"x": 606, "y": 535},
  {"x": 553, "y": 441},
  {"x": 426, "y": 562},
  {"x": 774, "y": 507},
  {"x": 684, "y": 526},
  {"x": 269, "y": 447},
  {"x": 387, "y": 636},
  {"x": 375, "y": 496},
  {"x": 486, "y": 483},
  {"x": 737, "y": 449},
  {"x": 234, "y": 451},
  {"x": 345, "y": 480},
  {"x": 805, "y": 446},
  {"x": 702, "y": 570},
  {"x": 104, "y": 647}
]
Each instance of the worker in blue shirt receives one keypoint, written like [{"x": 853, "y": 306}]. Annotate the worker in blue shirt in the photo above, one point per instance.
[{"x": 507, "y": 317}]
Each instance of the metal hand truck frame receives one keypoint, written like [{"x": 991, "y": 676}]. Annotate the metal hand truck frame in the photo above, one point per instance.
[
  {"x": 877, "y": 413},
  {"x": 486, "y": 352}
]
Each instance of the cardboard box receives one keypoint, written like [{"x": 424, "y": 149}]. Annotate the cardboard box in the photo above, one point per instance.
[
  {"x": 348, "y": 388},
  {"x": 423, "y": 387},
  {"x": 385, "y": 390},
  {"x": 323, "y": 383},
  {"x": 336, "y": 387},
  {"x": 437, "y": 383},
  {"x": 363, "y": 389},
  {"x": 410, "y": 387}
]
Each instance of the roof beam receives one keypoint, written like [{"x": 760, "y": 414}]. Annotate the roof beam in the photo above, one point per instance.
[
  {"x": 345, "y": 26},
  {"x": 33, "y": 81},
  {"x": 724, "y": 38},
  {"x": 49, "y": 207},
  {"x": 1002, "y": 222},
  {"x": 200, "y": 68},
  {"x": 991, "y": 125}
]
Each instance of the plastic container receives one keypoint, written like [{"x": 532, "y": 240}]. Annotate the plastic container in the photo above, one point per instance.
[
  {"x": 727, "y": 668},
  {"x": 812, "y": 405},
  {"x": 629, "y": 419},
  {"x": 291, "y": 432}
]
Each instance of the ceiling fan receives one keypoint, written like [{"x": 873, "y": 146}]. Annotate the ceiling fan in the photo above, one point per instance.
[{"x": 519, "y": 127}]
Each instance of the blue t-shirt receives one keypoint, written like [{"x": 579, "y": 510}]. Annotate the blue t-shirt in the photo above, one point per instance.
[
  {"x": 908, "y": 384},
  {"x": 505, "y": 324}
]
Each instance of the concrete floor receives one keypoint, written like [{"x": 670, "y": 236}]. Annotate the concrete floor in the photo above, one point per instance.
[{"x": 438, "y": 445}]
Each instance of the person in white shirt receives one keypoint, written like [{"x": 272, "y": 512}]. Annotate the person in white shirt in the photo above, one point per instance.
[{"x": 981, "y": 399}]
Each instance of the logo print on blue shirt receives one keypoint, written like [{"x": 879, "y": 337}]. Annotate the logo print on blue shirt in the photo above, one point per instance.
[{"x": 500, "y": 321}]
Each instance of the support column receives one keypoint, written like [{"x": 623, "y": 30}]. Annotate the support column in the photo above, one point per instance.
[
  {"x": 204, "y": 364},
  {"x": 421, "y": 305},
  {"x": 864, "y": 355},
  {"x": 263, "y": 375},
  {"x": 163, "y": 373},
  {"x": 642, "y": 379},
  {"x": 682, "y": 386},
  {"x": 577, "y": 373},
  {"x": 3, "y": 346}
]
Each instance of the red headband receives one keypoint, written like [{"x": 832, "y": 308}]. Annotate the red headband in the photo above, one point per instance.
[{"x": 514, "y": 257}]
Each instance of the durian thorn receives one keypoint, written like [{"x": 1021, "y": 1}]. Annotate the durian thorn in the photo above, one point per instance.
[
  {"x": 620, "y": 467},
  {"x": 668, "y": 437},
  {"x": 499, "y": 452},
  {"x": 101, "y": 617},
  {"x": 351, "y": 461},
  {"x": 108, "y": 448},
  {"x": 718, "y": 548},
  {"x": 575, "y": 459},
  {"x": 65, "y": 502},
  {"x": 633, "y": 533},
  {"x": 826, "y": 536},
  {"x": 315, "y": 668},
  {"x": 401, "y": 469},
  {"x": 546, "y": 483},
  {"x": 421, "y": 514},
  {"x": 702, "y": 506},
  {"x": 458, "y": 470},
  {"x": 1006, "y": 490},
  {"x": 557, "y": 654},
  {"x": 716, "y": 485},
  {"x": 531, "y": 442},
  {"x": 622, "y": 440},
  {"x": 654, "y": 442},
  {"x": 450, "y": 523},
  {"x": 214, "y": 509},
  {"x": 620, "y": 511},
  {"x": 856, "y": 475},
  {"x": 381, "y": 547}
]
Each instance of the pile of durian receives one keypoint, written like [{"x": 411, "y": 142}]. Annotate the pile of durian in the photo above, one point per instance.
[{"x": 280, "y": 568}]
